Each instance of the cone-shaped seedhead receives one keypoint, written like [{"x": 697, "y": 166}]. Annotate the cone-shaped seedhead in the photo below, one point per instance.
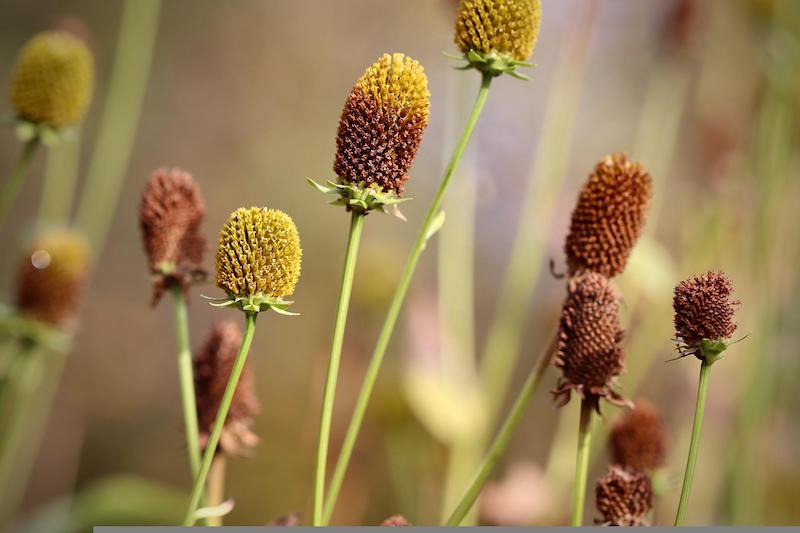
[
  {"x": 504, "y": 28},
  {"x": 51, "y": 277},
  {"x": 53, "y": 79},
  {"x": 624, "y": 496},
  {"x": 258, "y": 254},
  {"x": 639, "y": 439},
  {"x": 589, "y": 354},
  {"x": 212, "y": 368},
  {"x": 704, "y": 312},
  {"x": 170, "y": 216},
  {"x": 609, "y": 216},
  {"x": 382, "y": 124}
]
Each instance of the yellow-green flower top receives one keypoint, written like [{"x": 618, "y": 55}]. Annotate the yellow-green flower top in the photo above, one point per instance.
[
  {"x": 258, "y": 254},
  {"x": 508, "y": 28},
  {"x": 53, "y": 79}
]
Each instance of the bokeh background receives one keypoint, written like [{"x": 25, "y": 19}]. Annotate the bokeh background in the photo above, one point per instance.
[{"x": 246, "y": 95}]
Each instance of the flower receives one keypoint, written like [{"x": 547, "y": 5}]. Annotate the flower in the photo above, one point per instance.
[
  {"x": 170, "y": 216},
  {"x": 639, "y": 439},
  {"x": 609, "y": 216},
  {"x": 52, "y": 79},
  {"x": 624, "y": 496}
]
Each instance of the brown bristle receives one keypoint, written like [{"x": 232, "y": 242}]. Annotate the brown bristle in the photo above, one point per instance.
[
  {"x": 395, "y": 521},
  {"x": 170, "y": 216},
  {"x": 704, "y": 308},
  {"x": 609, "y": 216},
  {"x": 639, "y": 439},
  {"x": 212, "y": 368},
  {"x": 588, "y": 351},
  {"x": 624, "y": 496}
]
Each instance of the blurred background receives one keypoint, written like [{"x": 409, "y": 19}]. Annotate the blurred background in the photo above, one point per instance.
[{"x": 246, "y": 96}]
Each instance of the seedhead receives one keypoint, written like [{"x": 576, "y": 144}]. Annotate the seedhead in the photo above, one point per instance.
[{"x": 624, "y": 496}]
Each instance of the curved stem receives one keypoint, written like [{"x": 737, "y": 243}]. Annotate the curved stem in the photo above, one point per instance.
[
  {"x": 582, "y": 464},
  {"x": 397, "y": 301},
  {"x": 222, "y": 414},
  {"x": 11, "y": 186},
  {"x": 500, "y": 443},
  {"x": 699, "y": 409},
  {"x": 353, "y": 240}
]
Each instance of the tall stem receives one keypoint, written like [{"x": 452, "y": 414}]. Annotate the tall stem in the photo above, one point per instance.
[
  {"x": 582, "y": 464},
  {"x": 500, "y": 443},
  {"x": 10, "y": 189},
  {"x": 222, "y": 414},
  {"x": 353, "y": 240},
  {"x": 215, "y": 494},
  {"x": 699, "y": 409},
  {"x": 397, "y": 302},
  {"x": 60, "y": 179}
]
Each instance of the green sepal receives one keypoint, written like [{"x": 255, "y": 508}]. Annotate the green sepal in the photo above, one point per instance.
[
  {"x": 492, "y": 63},
  {"x": 361, "y": 197},
  {"x": 708, "y": 350},
  {"x": 254, "y": 303},
  {"x": 15, "y": 325},
  {"x": 47, "y": 134}
]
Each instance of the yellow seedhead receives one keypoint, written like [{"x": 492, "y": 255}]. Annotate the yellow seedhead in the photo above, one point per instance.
[{"x": 508, "y": 28}]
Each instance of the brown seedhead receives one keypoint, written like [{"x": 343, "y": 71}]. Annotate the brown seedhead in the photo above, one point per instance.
[
  {"x": 624, "y": 496},
  {"x": 639, "y": 439},
  {"x": 704, "y": 308}
]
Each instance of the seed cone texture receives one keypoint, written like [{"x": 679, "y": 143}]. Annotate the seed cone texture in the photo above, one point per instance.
[
  {"x": 624, "y": 496},
  {"x": 509, "y": 28},
  {"x": 212, "y": 368},
  {"x": 170, "y": 216},
  {"x": 53, "y": 79},
  {"x": 258, "y": 253},
  {"x": 609, "y": 216},
  {"x": 382, "y": 124},
  {"x": 639, "y": 439},
  {"x": 589, "y": 354},
  {"x": 704, "y": 308},
  {"x": 51, "y": 277}
]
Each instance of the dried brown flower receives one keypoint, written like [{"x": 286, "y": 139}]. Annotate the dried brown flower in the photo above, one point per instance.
[
  {"x": 396, "y": 521},
  {"x": 639, "y": 439},
  {"x": 624, "y": 496},
  {"x": 212, "y": 368},
  {"x": 170, "y": 215},
  {"x": 609, "y": 216},
  {"x": 704, "y": 308},
  {"x": 589, "y": 354}
]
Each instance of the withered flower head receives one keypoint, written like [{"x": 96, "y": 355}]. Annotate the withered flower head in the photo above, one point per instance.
[
  {"x": 609, "y": 217},
  {"x": 382, "y": 124},
  {"x": 170, "y": 216},
  {"x": 212, "y": 368},
  {"x": 507, "y": 28},
  {"x": 52, "y": 79},
  {"x": 639, "y": 439},
  {"x": 624, "y": 496},
  {"x": 395, "y": 521},
  {"x": 51, "y": 277},
  {"x": 258, "y": 253},
  {"x": 589, "y": 354}
]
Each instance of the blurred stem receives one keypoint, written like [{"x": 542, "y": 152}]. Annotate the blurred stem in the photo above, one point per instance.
[
  {"x": 11, "y": 187},
  {"x": 215, "y": 494},
  {"x": 222, "y": 414},
  {"x": 60, "y": 178},
  {"x": 428, "y": 225},
  {"x": 348, "y": 273},
  {"x": 501, "y": 441},
  {"x": 700, "y": 407},
  {"x": 582, "y": 464},
  {"x": 117, "y": 130}
]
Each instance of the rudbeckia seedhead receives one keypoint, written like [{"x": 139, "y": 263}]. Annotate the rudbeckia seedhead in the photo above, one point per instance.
[
  {"x": 258, "y": 254},
  {"x": 589, "y": 354},
  {"x": 170, "y": 216},
  {"x": 609, "y": 216},
  {"x": 382, "y": 124},
  {"x": 212, "y": 368},
  {"x": 639, "y": 439},
  {"x": 624, "y": 496},
  {"x": 53, "y": 79},
  {"x": 51, "y": 277}
]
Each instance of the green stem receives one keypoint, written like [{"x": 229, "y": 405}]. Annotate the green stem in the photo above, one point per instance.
[
  {"x": 215, "y": 493},
  {"x": 60, "y": 179},
  {"x": 397, "y": 302},
  {"x": 501, "y": 441},
  {"x": 11, "y": 187},
  {"x": 582, "y": 464},
  {"x": 699, "y": 409},
  {"x": 222, "y": 414},
  {"x": 348, "y": 273}
]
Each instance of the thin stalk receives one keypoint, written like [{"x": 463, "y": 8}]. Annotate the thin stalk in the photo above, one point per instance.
[
  {"x": 397, "y": 301},
  {"x": 582, "y": 464},
  {"x": 10, "y": 189},
  {"x": 60, "y": 179},
  {"x": 348, "y": 273},
  {"x": 215, "y": 494},
  {"x": 503, "y": 437},
  {"x": 222, "y": 414},
  {"x": 699, "y": 409}
]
